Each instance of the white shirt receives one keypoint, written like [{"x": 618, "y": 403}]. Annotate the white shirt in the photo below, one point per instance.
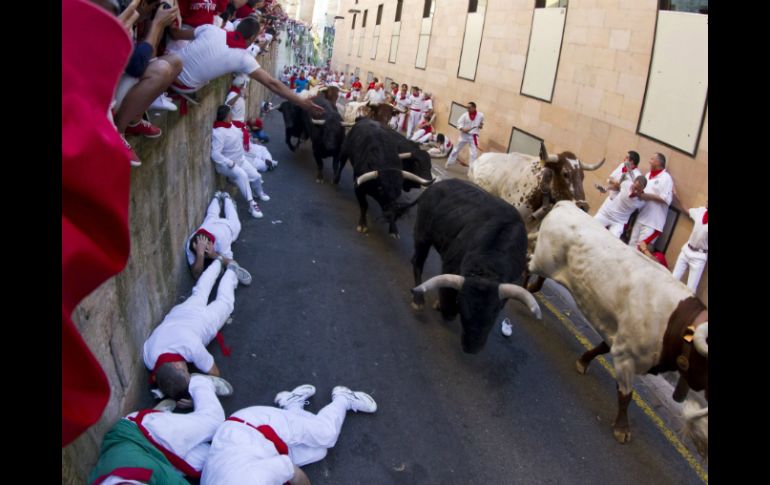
[
  {"x": 415, "y": 103},
  {"x": 183, "y": 332},
  {"x": 619, "y": 209},
  {"x": 375, "y": 96},
  {"x": 403, "y": 103},
  {"x": 238, "y": 109},
  {"x": 699, "y": 239},
  {"x": 208, "y": 57},
  {"x": 466, "y": 122},
  {"x": 227, "y": 146},
  {"x": 426, "y": 105},
  {"x": 221, "y": 230},
  {"x": 654, "y": 214},
  {"x": 617, "y": 174}
]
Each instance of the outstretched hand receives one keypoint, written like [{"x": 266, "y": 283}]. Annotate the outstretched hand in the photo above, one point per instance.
[{"x": 310, "y": 106}]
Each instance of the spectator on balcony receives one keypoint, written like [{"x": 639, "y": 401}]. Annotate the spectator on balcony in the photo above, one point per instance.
[
  {"x": 195, "y": 13},
  {"x": 215, "y": 53}
]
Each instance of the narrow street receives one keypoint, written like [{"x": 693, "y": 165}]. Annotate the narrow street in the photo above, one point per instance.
[{"x": 329, "y": 306}]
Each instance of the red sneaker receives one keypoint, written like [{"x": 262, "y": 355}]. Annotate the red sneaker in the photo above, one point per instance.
[
  {"x": 144, "y": 128},
  {"x": 135, "y": 162}
]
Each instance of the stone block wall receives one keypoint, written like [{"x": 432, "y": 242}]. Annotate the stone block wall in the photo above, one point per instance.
[{"x": 168, "y": 198}]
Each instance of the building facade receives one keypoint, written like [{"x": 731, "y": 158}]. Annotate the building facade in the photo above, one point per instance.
[{"x": 595, "y": 77}]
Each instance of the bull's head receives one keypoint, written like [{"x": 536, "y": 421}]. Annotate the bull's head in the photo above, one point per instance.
[
  {"x": 479, "y": 301},
  {"x": 566, "y": 176},
  {"x": 332, "y": 131}
]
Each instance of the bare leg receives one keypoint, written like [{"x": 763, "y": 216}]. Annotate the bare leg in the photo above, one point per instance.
[{"x": 156, "y": 79}]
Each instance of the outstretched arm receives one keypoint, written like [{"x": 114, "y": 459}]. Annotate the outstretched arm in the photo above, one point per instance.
[{"x": 280, "y": 89}]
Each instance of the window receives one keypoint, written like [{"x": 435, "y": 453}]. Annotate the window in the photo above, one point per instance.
[
  {"x": 351, "y": 37},
  {"x": 363, "y": 32},
  {"x": 455, "y": 112},
  {"x": 550, "y": 3},
  {"x": 379, "y": 15},
  {"x": 676, "y": 96},
  {"x": 399, "y": 5},
  {"x": 396, "y": 35},
  {"x": 692, "y": 6},
  {"x": 354, "y": 21},
  {"x": 363, "y": 24},
  {"x": 544, "y": 50},
  {"x": 424, "y": 42},
  {"x": 376, "y": 36},
  {"x": 474, "y": 29},
  {"x": 523, "y": 142}
]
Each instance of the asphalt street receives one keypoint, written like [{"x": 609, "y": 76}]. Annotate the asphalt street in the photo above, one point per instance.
[{"x": 330, "y": 306}]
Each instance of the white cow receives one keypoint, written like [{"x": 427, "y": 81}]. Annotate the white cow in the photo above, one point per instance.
[{"x": 632, "y": 301}]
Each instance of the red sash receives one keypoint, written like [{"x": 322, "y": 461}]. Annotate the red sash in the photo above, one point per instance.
[
  {"x": 127, "y": 473},
  {"x": 246, "y": 134},
  {"x": 269, "y": 433},
  {"x": 175, "y": 460}
]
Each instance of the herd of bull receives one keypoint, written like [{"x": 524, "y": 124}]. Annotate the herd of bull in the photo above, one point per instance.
[{"x": 519, "y": 208}]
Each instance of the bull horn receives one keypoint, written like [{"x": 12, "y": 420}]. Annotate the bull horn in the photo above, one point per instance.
[
  {"x": 318, "y": 122},
  {"x": 367, "y": 177},
  {"x": 348, "y": 123},
  {"x": 404, "y": 156},
  {"x": 415, "y": 178},
  {"x": 372, "y": 103},
  {"x": 590, "y": 168},
  {"x": 699, "y": 339},
  {"x": 552, "y": 158},
  {"x": 441, "y": 281},
  {"x": 516, "y": 292}
]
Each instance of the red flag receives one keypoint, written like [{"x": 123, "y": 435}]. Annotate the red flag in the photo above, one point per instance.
[{"x": 95, "y": 183}]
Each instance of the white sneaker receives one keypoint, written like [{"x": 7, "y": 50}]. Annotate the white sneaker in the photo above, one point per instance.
[
  {"x": 163, "y": 103},
  {"x": 221, "y": 386},
  {"x": 507, "y": 327},
  {"x": 244, "y": 277},
  {"x": 254, "y": 210},
  {"x": 264, "y": 197},
  {"x": 299, "y": 396},
  {"x": 357, "y": 401}
]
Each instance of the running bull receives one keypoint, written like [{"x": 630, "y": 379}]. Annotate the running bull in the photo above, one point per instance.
[
  {"x": 666, "y": 330},
  {"x": 483, "y": 243}
]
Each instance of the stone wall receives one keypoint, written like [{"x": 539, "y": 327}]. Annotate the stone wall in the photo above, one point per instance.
[
  {"x": 168, "y": 198},
  {"x": 598, "y": 95}
]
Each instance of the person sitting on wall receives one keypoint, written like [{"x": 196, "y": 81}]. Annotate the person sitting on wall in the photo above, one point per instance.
[
  {"x": 184, "y": 333},
  {"x": 262, "y": 444},
  {"x": 215, "y": 53},
  {"x": 230, "y": 160},
  {"x": 157, "y": 446},
  {"x": 214, "y": 238}
]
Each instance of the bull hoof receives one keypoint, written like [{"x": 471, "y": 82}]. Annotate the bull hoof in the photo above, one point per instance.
[
  {"x": 395, "y": 235},
  {"x": 437, "y": 305},
  {"x": 581, "y": 367},
  {"x": 417, "y": 306},
  {"x": 622, "y": 434},
  {"x": 362, "y": 229}
]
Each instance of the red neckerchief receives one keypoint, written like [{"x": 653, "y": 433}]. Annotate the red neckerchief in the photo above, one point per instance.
[
  {"x": 222, "y": 124},
  {"x": 706, "y": 217},
  {"x": 654, "y": 173},
  {"x": 205, "y": 233},
  {"x": 164, "y": 359},
  {"x": 625, "y": 169},
  {"x": 632, "y": 195},
  {"x": 246, "y": 134},
  {"x": 234, "y": 89},
  {"x": 472, "y": 116},
  {"x": 403, "y": 97},
  {"x": 235, "y": 40}
]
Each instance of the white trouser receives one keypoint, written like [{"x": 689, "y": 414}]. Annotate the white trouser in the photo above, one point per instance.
[
  {"x": 307, "y": 435},
  {"x": 402, "y": 121},
  {"x": 414, "y": 120},
  {"x": 695, "y": 261},
  {"x": 639, "y": 233},
  {"x": 615, "y": 228},
  {"x": 393, "y": 123},
  {"x": 465, "y": 139},
  {"x": 231, "y": 218},
  {"x": 420, "y": 136},
  {"x": 216, "y": 313},
  {"x": 188, "y": 435},
  {"x": 244, "y": 176},
  {"x": 257, "y": 155}
]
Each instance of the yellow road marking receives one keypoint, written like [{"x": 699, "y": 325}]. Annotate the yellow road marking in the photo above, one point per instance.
[{"x": 670, "y": 435}]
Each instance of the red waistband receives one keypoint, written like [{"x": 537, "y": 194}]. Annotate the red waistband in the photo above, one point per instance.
[
  {"x": 175, "y": 460},
  {"x": 268, "y": 432}
]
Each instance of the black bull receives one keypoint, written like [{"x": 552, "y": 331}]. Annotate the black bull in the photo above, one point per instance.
[
  {"x": 482, "y": 241},
  {"x": 296, "y": 123},
  {"x": 379, "y": 171},
  {"x": 326, "y": 135}
]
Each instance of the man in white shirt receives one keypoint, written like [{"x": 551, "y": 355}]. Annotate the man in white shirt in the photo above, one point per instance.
[
  {"x": 415, "y": 111},
  {"x": 694, "y": 253},
  {"x": 255, "y": 153},
  {"x": 215, "y": 52},
  {"x": 469, "y": 124},
  {"x": 187, "y": 329},
  {"x": 376, "y": 95},
  {"x": 658, "y": 193},
  {"x": 402, "y": 103},
  {"x": 230, "y": 160},
  {"x": 262, "y": 444},
  {"x": 615, "y": 213},
  {"x": 627, "y": 169}
]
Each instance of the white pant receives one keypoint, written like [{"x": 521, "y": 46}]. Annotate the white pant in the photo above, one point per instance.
[
  {"x": 231, "y": 216},
  {"x": 420, "y": 136},
  {"x": 216, "y": 313},
  {"x": 188, "y": 435},
  {"x": 639, "y": 233},
  {"x": 615, "y": 228},
  {"x": 244, "y": 175},
  {"x": 257, "y": 156},
  {"x": 465, "y": 139},
  {"x": 413, "y": 121},
  {"x": 240, "y": 453},
  {"x": 695, "y": 261}
]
